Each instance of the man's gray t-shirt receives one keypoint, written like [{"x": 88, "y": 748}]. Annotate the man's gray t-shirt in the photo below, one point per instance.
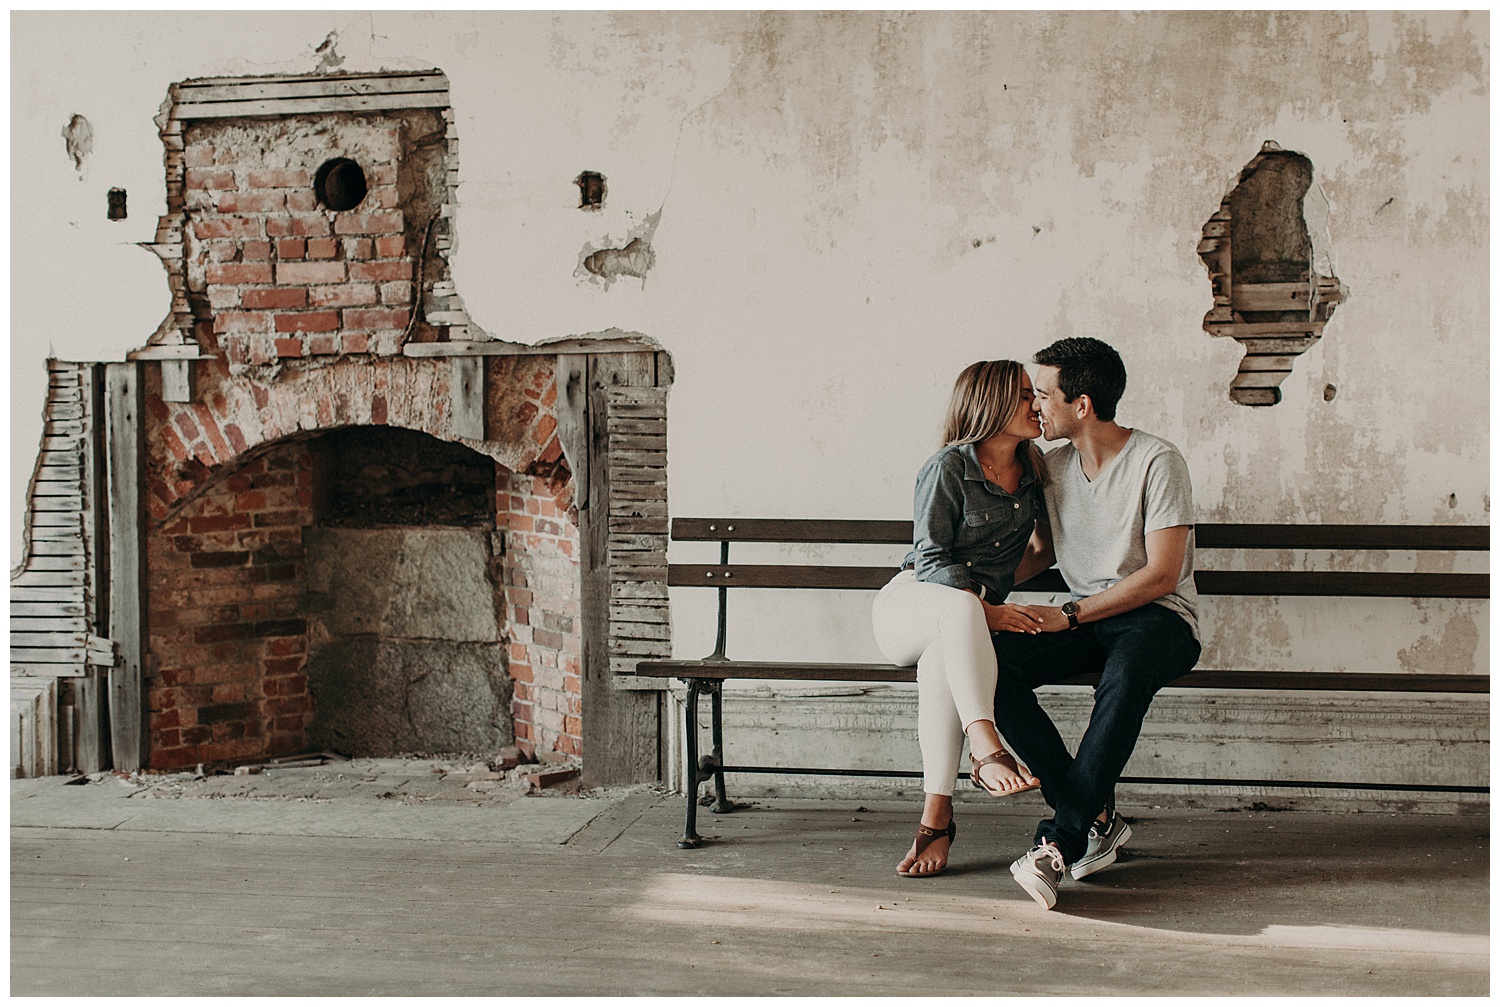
[{"x": 1099, "y": 528}]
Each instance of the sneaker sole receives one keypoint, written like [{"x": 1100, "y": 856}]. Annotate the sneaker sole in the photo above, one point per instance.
[
  {"x": 1036, "y": 887},
  {"x": 1084, "y": 868}
]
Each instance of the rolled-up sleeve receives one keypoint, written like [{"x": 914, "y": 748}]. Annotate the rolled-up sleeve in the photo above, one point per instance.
[{"x": 938, "y": 508}]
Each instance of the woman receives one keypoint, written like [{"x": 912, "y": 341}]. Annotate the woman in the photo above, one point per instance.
[{"x": 977, "y": 502}]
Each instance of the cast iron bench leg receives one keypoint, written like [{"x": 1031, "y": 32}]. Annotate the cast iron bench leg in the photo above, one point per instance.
[
  {"x": 722, "y": 804},
  {"x": 690, "y": 839}
]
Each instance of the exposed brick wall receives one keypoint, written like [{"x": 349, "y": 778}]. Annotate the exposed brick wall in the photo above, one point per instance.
[
  {"x": 542, "y": 611},
  {"x": 232, "y": 413},
  {"x": 227, "y": 637},
  {"x": 282, "y": 276}
]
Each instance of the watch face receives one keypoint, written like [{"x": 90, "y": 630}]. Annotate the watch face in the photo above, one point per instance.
[{"x": 1070, "y": 608}]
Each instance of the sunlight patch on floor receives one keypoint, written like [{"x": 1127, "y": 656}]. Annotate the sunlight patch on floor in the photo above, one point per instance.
[{"x": 756, "y": 904}]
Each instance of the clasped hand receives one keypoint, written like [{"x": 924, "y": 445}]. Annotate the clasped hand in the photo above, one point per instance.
[{"x": 1009, "y": 618}]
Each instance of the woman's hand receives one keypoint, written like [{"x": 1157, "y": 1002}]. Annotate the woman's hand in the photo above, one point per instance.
[{"x": 1012, "y": 618}]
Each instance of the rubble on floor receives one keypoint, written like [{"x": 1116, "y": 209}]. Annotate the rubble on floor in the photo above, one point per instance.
[{"x": 489, "y": 781}]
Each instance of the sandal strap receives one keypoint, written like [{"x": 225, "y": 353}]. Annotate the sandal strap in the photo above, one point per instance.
[
  {"x": 926, "y": 835},
  {"x": 990, "y": 759}
]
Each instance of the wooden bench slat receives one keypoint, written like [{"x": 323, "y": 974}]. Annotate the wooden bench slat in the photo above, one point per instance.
[
  {"x": 1209, "y": 536},
  {"x": 687, "y": 529},
  {"x": 788, "y": 671},
  {"x": 1462, "y": 538},
  {"x": 1263, "y": 583}
]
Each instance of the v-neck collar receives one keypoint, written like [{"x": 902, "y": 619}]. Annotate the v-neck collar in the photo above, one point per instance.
[{"x": 1109, "y": 465}]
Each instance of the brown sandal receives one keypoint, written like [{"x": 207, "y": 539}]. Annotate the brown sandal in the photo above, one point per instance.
[
  {"x": 992, "y": 758},
  {"x": 926, "y": 836}
]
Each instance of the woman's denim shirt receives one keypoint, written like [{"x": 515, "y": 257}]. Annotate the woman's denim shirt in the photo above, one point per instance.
[{"x": 967, "y": 530}]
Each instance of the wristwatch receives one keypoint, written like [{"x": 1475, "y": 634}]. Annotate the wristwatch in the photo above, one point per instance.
[{"x": 1070, "y": 609}]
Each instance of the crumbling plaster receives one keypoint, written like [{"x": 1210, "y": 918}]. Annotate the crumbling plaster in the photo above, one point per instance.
[{"x": 853, "y": 206}]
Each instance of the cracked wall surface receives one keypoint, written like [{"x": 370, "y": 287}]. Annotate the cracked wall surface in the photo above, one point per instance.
[{"x": 854, "y": 205}]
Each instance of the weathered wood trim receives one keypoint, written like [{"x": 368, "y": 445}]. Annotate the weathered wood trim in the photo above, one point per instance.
[
  {"x": 622, "y": 734},
  {"x": 467, "y": 397},
  {"x": 572, "y": 420},
  {"x": 124, "y": 452}
]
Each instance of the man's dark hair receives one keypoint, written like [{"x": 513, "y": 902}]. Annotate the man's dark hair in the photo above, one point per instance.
[{"x": 1087, "y": 367}]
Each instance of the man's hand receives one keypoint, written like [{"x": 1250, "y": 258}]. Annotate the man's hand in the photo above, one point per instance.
[
  {"x": 1013, "y": 618},
  {"x": 1052, "y": 619}
]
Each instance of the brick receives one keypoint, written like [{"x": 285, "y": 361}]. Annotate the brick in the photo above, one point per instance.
[
  {"x": 210, "y": 178},
  {"x": 239, "y": 272},
  {"x": 345, "y": 295},
  {"x": 198, "y": 156},
  {"x": 357, "y": 248},
  {"x": 543, "y": 778},
  {"x": 275, "y": 297},
  {"x": 291, "y": 248},
  {"x": 301, "y": 225},
  {"x": 356, "y": 342},
  {"x": 241, "y": 321},
  {"x": 395, "y": 293},
  {"x": 282, "y": 627},
  {"x": 220, "y": 296},
  {"x": 309, "y": 272},
  {"x": 203, "y": 560},
  {"x": 322, "y": 248},
  {"x": 301, "y": 201},
  {"x": 323, "y": 345},
  {"x": 308, "y": 321},
  {"x": 227, "y": 227},
  {"x": 379, "y": 222},
  {"x": 252, "y": 202},
  {"x": 276, "y": 178},
  {"x": 390, "y": 246},
  {"x": 378, "y": 271},
  {"x": 289, "y": 348},
  {"x": 381, "y": 174},
  {"x": 222, "y": 712},
  {"x": 375, "y": 318},
  {"x": 251, "y": 250}
]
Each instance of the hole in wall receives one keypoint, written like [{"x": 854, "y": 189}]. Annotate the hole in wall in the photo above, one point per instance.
[
  {"x": 340, "y": 184},
  {"x": 590, "y": 190},
  {"x": 1268, "y": 294},
  {"x": 116, "y": 204}
]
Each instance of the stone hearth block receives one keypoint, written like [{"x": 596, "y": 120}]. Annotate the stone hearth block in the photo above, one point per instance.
[
  {"x": 417, "y": 583},
  {"x": 379, "y": 697}
]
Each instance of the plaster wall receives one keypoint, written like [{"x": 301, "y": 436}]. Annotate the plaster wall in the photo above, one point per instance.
[{"x": 846, "y": 208}]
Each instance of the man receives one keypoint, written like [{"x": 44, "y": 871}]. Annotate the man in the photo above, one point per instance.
[{"x": 1120, "y": 511}]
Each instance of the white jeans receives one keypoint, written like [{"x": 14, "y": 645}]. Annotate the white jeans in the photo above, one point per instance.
[{"x": 942, "y": 630}]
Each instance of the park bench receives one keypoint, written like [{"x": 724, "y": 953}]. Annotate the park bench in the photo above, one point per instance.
[{"x": 707, "y": 676}]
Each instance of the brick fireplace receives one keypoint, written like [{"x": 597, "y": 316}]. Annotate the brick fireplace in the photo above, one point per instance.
[{"x": 356, "y": 520}]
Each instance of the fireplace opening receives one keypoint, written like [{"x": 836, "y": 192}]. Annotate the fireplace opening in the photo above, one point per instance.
[{"x": 407, "y": 637}]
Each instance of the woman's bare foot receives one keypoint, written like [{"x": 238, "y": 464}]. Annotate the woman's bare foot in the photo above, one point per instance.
[
  {"x": 1002, "y": 775},
  {"x": 929, "y": 859},
  {"x": 994, "y": 768},
  {"x": 929, "y": 851}
]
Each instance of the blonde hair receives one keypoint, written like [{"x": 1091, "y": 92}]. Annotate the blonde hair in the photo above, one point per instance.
[{"x": 985, "y": 399}]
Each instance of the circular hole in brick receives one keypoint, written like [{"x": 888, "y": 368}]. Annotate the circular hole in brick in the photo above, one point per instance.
[{"x": 340, "y": 184}]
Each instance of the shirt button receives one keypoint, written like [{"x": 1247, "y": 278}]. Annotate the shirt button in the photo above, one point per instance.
[
  {"x": 997, "y": 545},
  {"x": 968, "y": 564},
  {"x": 1018, "y": 505}
]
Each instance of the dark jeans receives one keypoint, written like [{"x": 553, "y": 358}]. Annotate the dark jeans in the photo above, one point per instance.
[{"x": 1136, "y": 653}]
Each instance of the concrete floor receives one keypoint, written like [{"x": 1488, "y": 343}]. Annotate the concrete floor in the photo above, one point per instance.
[{"x": 285, "y": 889}]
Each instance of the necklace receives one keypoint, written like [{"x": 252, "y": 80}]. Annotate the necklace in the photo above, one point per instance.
[{"x": 994, "y": 475}]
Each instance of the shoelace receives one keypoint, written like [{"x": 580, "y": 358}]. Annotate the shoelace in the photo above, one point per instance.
[{"x": 1051, "y": 853}]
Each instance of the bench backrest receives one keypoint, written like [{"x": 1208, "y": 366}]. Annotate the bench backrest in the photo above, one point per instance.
[{"x": 1316, "y": 583}]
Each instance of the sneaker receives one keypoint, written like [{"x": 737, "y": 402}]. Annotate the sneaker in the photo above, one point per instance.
[
  {"x": 1105, "y": 840},
  {"x": 1040, "y": 871}
]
